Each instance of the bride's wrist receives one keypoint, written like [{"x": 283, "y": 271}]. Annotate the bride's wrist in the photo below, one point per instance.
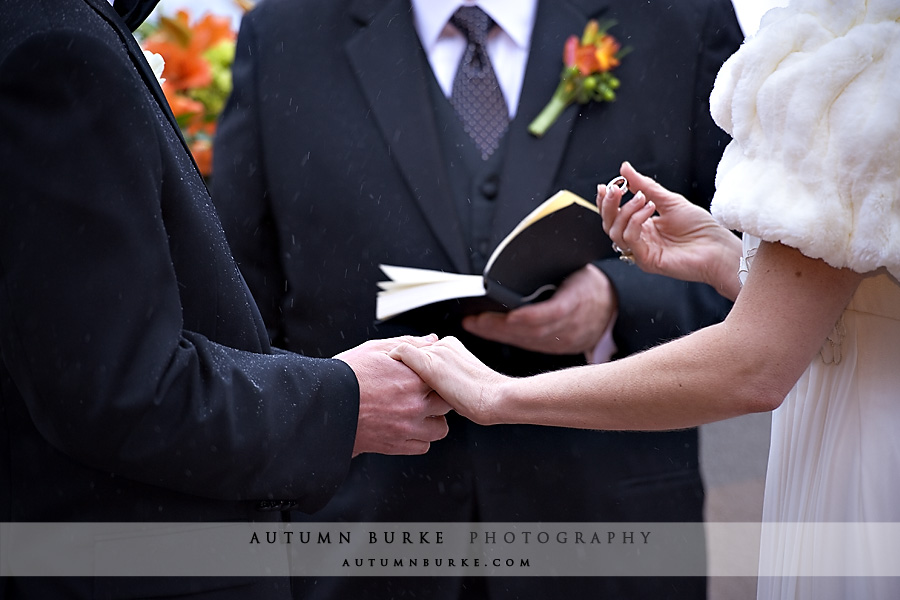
[
  {"x": 722, "y": 274},
  {"x": 500, "y": 401}
]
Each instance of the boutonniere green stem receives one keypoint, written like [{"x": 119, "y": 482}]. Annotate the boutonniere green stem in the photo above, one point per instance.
[{"x": 586, "y": 74}]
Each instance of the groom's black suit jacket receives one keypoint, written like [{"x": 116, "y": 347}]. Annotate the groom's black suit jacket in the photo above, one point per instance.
[
  {"x": 137, "y": 382},
  {"x": 330, "y": 159}
]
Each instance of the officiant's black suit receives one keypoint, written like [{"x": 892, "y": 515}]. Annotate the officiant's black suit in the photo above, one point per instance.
[
  {"x": 132, "y": 381},
  {"x": 338, "y": 152}
]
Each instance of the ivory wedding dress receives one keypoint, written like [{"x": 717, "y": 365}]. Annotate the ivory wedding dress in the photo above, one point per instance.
[
  {"x": 833, "y": 478},
  {"x": 812, "y": 102}
]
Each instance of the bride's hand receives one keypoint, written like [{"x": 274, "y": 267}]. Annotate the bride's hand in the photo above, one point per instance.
[
  {"x": 463, "y": 381},
  {"x": 682, "y": 241}
]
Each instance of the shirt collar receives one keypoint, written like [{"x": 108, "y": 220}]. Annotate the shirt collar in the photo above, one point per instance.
[{"x": 515, "y": 17}]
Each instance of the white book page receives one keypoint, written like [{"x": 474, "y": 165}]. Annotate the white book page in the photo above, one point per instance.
[{"x": 411, "y": 288}]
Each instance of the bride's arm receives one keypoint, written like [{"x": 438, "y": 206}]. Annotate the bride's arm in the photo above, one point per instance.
[{"x": 745, "y": 364}]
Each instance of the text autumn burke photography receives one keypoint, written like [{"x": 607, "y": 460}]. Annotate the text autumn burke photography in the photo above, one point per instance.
[{"x": 437, "y": 537}]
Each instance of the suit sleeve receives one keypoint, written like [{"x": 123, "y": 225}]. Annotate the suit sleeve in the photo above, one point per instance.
[
  {"x": 652, "y": 308},
  {"x": 91, "y": 320},
  {"x": 721, "y": 37},
  {"x": 239, "y": 189}
]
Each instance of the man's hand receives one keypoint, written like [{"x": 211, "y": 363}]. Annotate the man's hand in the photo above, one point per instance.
[
  {"x": 398, "y": 413},
  {"x": 572, "y": 321}
]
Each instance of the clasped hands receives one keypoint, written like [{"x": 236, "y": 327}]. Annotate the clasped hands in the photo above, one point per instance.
[
  {"x": 398, "y": 412},
  {"x": 659, "y": 230}
]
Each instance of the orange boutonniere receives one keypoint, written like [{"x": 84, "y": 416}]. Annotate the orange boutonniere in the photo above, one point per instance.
[{"x": 586, "y": 74}]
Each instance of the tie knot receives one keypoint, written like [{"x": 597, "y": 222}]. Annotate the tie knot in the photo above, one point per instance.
[{"x": 473, "y": 22}]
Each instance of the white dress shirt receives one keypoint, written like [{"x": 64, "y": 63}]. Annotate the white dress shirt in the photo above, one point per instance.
[{"x": 507, "y": 45}]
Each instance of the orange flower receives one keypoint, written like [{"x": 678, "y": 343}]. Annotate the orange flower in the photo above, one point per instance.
[
  {"x": 607, "y": 50},
  {"x": 184, "y": 70},
  {"x": 183, "y": 47},
  {"x": 586, "y": 60},
  {"x": 594, "y": 53},
  {"x": 209, "y": 31},
  {"x": 180, "y": 104},
  {"x": 197, "y": 75}
]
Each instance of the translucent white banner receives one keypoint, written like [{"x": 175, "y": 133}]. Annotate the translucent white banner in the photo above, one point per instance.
[{"x": 446, "y": 549}]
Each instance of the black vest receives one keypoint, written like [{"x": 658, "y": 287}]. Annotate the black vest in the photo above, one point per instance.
[{"x": 474, "y": 182}]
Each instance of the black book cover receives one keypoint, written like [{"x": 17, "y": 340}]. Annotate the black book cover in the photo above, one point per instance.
[{"x": 556, "y": 239}]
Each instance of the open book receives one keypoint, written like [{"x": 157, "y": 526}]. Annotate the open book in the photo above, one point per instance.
[{"x": 556, "y": 239}]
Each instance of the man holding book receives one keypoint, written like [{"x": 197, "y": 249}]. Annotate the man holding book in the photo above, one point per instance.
[{"x": 347, "y": 144}]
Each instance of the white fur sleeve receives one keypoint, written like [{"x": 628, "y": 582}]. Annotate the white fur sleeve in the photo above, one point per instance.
[{"x": 813, "y": 106}]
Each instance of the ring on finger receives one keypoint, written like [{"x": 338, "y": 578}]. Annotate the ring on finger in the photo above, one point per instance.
[{"x": 625, "y": 254}]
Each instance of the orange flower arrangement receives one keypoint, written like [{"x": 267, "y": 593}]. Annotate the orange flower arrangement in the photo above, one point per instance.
[
  {"x": 586, "y": 73},
  {"x": 197, "y": 74}
]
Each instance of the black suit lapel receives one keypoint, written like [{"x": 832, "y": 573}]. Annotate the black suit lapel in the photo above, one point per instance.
[
  {"x": 137, "y": 57},
  {"x": 393, "y": 72},
  {"x": 531, "y": 164}
]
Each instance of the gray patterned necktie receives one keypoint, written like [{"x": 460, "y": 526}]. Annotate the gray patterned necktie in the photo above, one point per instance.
[{"x": 476, "y": 96}]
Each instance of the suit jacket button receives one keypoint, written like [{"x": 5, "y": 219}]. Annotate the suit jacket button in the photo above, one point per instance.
[{"x": 490, "y": 187}]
